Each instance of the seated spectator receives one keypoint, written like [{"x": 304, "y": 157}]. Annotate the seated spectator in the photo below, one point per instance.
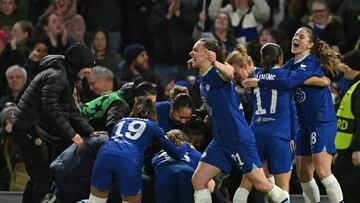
[
  {"x": 220, "y": 31},
  {"x": 100, "y": 80},
  {"x": 327, "y": 27},
  {"x": 16, "y": 77},
  {"x": 100, "y": 47},
  {"x": 38, "y": 51}
]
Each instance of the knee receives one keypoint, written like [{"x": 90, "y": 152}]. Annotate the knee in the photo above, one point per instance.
[
  {"x": 322, "y": 172},
  {"x": 197, "y": 182},
  {"x": 303, "y": 176}
]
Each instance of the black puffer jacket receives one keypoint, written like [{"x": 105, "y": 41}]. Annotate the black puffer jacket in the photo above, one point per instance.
[{"x": 47, "y": 102}]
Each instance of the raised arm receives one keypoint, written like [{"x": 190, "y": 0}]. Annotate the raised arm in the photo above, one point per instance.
[{"x": 226, "y": 70}]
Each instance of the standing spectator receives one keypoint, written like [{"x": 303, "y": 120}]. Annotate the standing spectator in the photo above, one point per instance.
[
  {"x": 349, "y": 12},
  {"x": 16, "y": 78},
  {"x": 247, "y": 17},
  {"x": 221, "y": 30},
  {"x": 107, "y": 14},
  {"x": 327, "y": 27},
  {"x": 12, "y": 11},
  {"x": 66, "y": 10},
  {"x": 170, "y": 47},
  {"x": 46, "y": 115},
  {"x": 21, "y": 33},
  {"x": 54, "y": 33},
  {"x": 100, "y": 46},
  {"x": 347, "y": 139}
]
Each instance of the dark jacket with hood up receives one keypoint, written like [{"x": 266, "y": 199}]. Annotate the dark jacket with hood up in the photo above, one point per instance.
[{"x": 47, "y": 104}]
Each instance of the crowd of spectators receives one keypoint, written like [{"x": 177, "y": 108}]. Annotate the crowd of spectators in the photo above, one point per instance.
[{"x": 152, "y": 39}]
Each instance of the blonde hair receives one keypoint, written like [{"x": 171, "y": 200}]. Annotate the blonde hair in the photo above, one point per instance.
[
  {"x": 177, "y": 137},
  {"x": 239, "y": 57},
  {"x": 176, "y": 90}
]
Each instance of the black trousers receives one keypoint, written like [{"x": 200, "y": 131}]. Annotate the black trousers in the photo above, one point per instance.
[
  {"x": 36, "y": 157},
  {"x": 348, "y": 176}
]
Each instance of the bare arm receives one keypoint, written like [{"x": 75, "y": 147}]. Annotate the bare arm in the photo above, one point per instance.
[
  {"x": 317, "y": 81},
  {"x": 226, "y": 70}
]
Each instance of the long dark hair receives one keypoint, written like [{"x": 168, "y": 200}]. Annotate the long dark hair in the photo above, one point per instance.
[
  {"x": 144, "y": 108},
  {"x": 270, "y": 56},
  {"x": 330, "y": 60}
]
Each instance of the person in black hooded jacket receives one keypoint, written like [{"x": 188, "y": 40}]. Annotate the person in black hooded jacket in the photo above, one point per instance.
[{"x": 46, "y": 118}]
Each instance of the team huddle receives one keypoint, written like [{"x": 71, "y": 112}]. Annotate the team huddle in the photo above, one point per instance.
[
  {"x": 291, "y": 102},
  {"x": 293, "y": 114}
]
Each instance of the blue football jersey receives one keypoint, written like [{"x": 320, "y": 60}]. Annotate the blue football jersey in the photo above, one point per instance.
[
  {"x": 164, "y": 120},
  {"x": 229, "y": 126},
  {"x": 191, "y": 158},
  {"x": 132, "y": 136},
  {"x": 312, "y": 103},
  {"x": 271, "y": 115}
]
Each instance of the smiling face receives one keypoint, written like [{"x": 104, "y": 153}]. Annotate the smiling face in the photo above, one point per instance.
[
  {"x": 320, "y": 13},
  {"x": 198, "y": 56},
  {"x": 301, "y": 43},
  {"x": 222, "y": 22}
]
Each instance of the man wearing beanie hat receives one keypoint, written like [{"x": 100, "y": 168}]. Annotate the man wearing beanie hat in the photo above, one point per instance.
[
  {"x": 347, "y": 139},
  {"x": 136, "y": 64},
  {"x": 46, "y": 115}
]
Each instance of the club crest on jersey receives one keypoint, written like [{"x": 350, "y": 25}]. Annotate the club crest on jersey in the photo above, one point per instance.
[
  {"x": 207, "y": 87},
  {"x": 300, "y": 96},
  {"x": 302, "y": 66}
]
